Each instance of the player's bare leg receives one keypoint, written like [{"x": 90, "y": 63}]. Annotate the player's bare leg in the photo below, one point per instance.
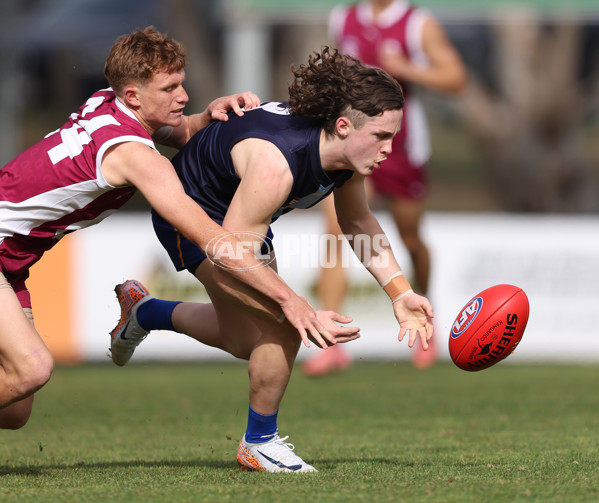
[
  {"x": 25, "y": 362},
  {"x": 228, "y": 324},
  {"x": 207, "y": 331},
  {"x": 271, "y": 348}
]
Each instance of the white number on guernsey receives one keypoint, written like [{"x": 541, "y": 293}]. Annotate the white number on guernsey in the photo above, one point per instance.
[{"x": 75, "y": 137}]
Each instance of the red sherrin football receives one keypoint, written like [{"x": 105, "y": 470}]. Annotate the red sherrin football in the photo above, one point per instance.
[{"x": 489, "y": 327}]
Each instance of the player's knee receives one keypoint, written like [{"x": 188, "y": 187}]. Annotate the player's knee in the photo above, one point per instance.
[
  {"x": 42, "y": 371},
  {"x": 33, "y": 373},
  {"x": 28, "y": 376}
]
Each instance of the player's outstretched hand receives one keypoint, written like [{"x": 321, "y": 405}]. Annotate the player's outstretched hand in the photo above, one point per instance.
[
  {"x": 218, "y": 109},
  {"x": 300, "y": 313},
  {"x": 330, "y": 320},
  {"x": 414, "y": 314}
]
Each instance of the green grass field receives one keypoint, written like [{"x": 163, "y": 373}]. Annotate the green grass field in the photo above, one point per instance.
[{"x": 380, "y": 432}]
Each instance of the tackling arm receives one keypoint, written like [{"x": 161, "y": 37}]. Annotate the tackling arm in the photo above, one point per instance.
[{"x": 133, "y": 163}]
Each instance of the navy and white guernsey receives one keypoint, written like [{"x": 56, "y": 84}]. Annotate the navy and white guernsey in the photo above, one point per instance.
[
  {"x": 206, "y": 169},
  {"x": 207, "y": 173}
]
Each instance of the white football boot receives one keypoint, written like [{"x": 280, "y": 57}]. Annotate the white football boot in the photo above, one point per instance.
[
  {"x": 127, "y": 335},
  {"x": 276, "y": 455}
]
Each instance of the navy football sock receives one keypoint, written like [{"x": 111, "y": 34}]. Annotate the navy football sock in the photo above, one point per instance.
[
  {"x": 261, "y": 428},
  {"x": 156, "y": 314}
]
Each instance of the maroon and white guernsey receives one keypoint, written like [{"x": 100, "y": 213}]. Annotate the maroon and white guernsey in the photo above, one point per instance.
[{"x": 56, "y": 186}]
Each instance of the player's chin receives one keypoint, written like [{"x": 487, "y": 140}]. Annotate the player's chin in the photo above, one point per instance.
[
  {"x": 367, "y": 171},
  {"x": 175, "y": 119},
  {"x": 376, "y": 165}
]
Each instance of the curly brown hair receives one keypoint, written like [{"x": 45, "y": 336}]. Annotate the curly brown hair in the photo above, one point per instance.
[
  {"x": 334, "y": 84},
  {"x": 136, "y": 57}
]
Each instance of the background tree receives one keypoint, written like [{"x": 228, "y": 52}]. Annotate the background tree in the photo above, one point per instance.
[{"x": 531, "y": 126}]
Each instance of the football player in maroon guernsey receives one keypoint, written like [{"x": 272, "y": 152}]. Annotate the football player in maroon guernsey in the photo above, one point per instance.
[{"x": 88, "y": 168}]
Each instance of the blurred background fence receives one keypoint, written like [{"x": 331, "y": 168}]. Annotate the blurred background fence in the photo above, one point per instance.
[{"x": 521, "y": 143}]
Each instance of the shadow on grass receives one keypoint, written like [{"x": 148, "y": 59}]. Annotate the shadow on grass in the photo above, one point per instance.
[
  {"x": 34, "y": 470},
  {"x": 321, "y": 465}
]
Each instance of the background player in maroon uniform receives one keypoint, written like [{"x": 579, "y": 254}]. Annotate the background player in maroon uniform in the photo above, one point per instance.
[
  {"x": 90, "y": 167},
  {"x": 411, "y": 45}
]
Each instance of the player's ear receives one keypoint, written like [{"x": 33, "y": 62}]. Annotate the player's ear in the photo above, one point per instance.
[
  {"x": 131, "y": 95},
  {"x": 342, "y": 126}
]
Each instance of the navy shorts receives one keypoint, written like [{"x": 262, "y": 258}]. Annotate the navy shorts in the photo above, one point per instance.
[{"x": 183, "y": 253}]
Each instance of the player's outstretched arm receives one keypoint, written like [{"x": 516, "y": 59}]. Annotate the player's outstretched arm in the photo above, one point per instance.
[
  {"x": 414, "y": 314},
  {"x": 266, "y": 182},
  {"x": 324, "y": 328},
  {"x": 133, "y": 163}
]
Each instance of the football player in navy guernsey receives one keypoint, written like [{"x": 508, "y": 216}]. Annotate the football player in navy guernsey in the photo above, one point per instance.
[
  {"x": 88, "y": 168},
  {"x": 335, "y": 130},
  {"x": 411, "y": 45}
]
